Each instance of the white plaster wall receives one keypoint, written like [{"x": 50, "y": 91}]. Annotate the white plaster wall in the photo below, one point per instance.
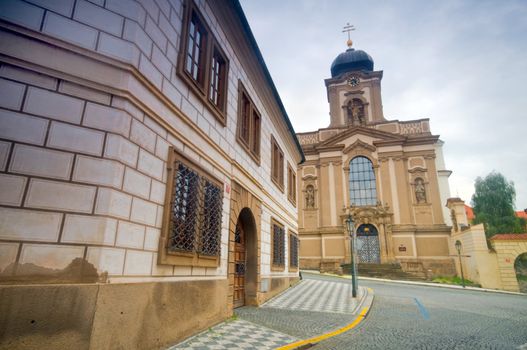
[
  {"x": 73, "y": 156},
  {"x": 442, "y": 176}
]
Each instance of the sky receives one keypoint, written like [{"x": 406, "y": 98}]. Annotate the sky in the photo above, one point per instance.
[{"x": 463, "y": 64}]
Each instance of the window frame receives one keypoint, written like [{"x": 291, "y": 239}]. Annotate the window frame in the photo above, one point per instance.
[
  {"x": 291, "y": 184},
  {"x": 201, "y": 87},
  {"x": 295, "y": 236},
  {"x": 166, "y": 256},
  {"x": 365, "y": 185},
  {"x": 277, "y": 160},
  {"x": 277, "y": 267},
  {"x": 251, "y": 145}
]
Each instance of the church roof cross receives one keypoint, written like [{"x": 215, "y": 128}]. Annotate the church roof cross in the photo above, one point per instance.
[{"x": 348, "y": 28}]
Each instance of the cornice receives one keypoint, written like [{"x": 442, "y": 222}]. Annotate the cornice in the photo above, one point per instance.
[{"x": 361, "y": 74}]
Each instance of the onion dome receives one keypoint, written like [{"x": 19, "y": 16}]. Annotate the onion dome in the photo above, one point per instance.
[{"x": 351, "y": 60}]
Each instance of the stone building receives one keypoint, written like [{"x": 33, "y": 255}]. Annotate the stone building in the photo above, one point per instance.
[
  {"x": 147, "y": 172},
  {"x": 389, "y": 174}
]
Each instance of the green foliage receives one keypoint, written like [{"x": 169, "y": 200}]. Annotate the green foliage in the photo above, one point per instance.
[
  {"x": 493, "y": 203},
  {"x": 454, "y": 280}
]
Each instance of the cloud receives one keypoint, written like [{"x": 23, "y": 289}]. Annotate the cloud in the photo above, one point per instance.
[{"x": 463, "y": 64}]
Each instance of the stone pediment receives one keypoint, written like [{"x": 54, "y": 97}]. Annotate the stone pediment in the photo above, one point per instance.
[
  {"x": 360, "y": 130},
  {"x": 358, "y": 145}
]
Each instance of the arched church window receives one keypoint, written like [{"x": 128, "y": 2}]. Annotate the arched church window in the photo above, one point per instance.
[
  {"x": 356, "y": 115},
  {"x": 310, "y": 197},
  {"x": 420, "y": 191},
  {"x": 363, "y": 189}
]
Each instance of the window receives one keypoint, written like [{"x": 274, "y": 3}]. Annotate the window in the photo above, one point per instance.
[
  {"x": 202, "y": 63},
  {"x": 278, "y": 248},
  {"x": 363, "y": 189},
  {"x": 192, "y": 218},
  {"x": 293, "y": 251},
  {"x": 277, "y": 164},
  {"x": 291, "y": 184},
  {"x": 196, "y": 37},
  {"x": 217, "y": 87},
  {"x": 248, "y": 124}
]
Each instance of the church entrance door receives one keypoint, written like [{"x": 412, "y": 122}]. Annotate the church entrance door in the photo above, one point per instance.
[
  {"x": 368, "y": 244},
  {"x": 239, "y": 265}
]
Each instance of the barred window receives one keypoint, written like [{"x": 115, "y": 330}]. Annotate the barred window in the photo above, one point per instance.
[
  {"x": 293, "y": 250},
  {"x": 278, "y": 253},
  {"x": 193, "y": 211},
  {"x": 363, "y": 189}
]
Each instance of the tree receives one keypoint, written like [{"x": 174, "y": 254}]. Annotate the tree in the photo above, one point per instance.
[{"x": 493, "y": 203}]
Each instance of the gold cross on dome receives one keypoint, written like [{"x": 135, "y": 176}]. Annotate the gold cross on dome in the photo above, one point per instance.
[{"x": 348, "y": 28}]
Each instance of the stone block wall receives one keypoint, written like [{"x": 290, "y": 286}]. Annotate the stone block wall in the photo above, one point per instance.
[
  {"x": 90, "y": 103},
  {"x": 84, "y": 136}
]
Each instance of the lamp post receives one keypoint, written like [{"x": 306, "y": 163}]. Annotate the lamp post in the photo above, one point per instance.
[
  {"x": 351, "y": 231},
  {"x": 458, "y": 248}
]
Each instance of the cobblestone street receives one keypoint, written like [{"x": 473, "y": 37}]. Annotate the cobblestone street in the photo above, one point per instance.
[{"x": 419, "y": 317}]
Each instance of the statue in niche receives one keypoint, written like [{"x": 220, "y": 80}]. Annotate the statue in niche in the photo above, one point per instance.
[
  {"x": 454, "y": 219},
  {"x": 356, "y": 112},
  {"x": 420, "y": 192},
  {"x": 310, "y": 197}
]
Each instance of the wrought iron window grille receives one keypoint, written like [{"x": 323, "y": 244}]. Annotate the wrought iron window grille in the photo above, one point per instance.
[
  {"x": 196, "y": 213},
  {"x": 293, "y": 251},
  {"x": 278, "y": 246}
]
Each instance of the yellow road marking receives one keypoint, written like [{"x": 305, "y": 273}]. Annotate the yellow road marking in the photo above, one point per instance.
[{"x": 319, "y": 338}]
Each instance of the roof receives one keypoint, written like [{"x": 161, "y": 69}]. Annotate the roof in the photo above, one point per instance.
[
  {"x": 351, "y": 60},
  {"x": 470, "y": 212},
  {"x": 252, "y": 40},
  {"x": 509, "y": 237}
]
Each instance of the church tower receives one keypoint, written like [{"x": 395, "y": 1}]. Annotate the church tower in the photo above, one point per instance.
[{"x": 354, "y": 90}]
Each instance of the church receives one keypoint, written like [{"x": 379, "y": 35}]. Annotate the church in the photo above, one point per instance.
[{"x": 389, "y": 175}]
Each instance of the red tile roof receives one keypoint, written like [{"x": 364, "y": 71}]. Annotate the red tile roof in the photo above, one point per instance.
[
  {"x": 509, "y": 237},
  {"x": 470, "y": 213}
]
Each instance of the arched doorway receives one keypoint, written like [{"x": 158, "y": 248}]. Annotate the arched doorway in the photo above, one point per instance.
[
  {"x": 368, "y": 244},
  {"x": 245, "y": 259},
  {"x": 520, "y": 267}
]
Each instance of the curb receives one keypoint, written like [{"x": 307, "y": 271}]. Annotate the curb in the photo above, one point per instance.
[
  {"x": 307, "y": 343},
  {"x": 415, "y": 283},
  {"x": 426, "y": 284}
]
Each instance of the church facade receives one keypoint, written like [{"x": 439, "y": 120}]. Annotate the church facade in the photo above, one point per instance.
[{"x": 389, "y": 175}]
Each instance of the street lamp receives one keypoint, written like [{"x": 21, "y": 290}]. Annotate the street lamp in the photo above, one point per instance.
[
  {"x": 351, "y": 232},
  {"x": 458, "y": 248}
]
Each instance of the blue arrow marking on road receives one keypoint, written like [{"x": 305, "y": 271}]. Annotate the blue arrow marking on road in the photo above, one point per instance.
[{"x": 422, "y": 309}]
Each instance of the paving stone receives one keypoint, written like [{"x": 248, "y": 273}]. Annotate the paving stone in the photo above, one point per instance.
[{"x": 237, "y": 334}]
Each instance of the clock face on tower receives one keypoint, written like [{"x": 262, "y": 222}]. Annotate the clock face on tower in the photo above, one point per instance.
[{"x": 354, "y": 81}]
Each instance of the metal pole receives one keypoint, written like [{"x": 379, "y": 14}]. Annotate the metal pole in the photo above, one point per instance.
[
  {"x": 461, "y": 267},
  {"x": 354, "y": 280}
]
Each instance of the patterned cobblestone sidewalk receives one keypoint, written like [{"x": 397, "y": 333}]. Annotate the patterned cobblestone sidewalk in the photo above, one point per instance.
[
  {"x": 313, "y": 307},
  {"x": 237, "y": 334},
  {"x": 317, "y": 295}
]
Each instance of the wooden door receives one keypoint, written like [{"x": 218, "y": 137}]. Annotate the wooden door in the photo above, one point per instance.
[{"x": 239, "y": 265}]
